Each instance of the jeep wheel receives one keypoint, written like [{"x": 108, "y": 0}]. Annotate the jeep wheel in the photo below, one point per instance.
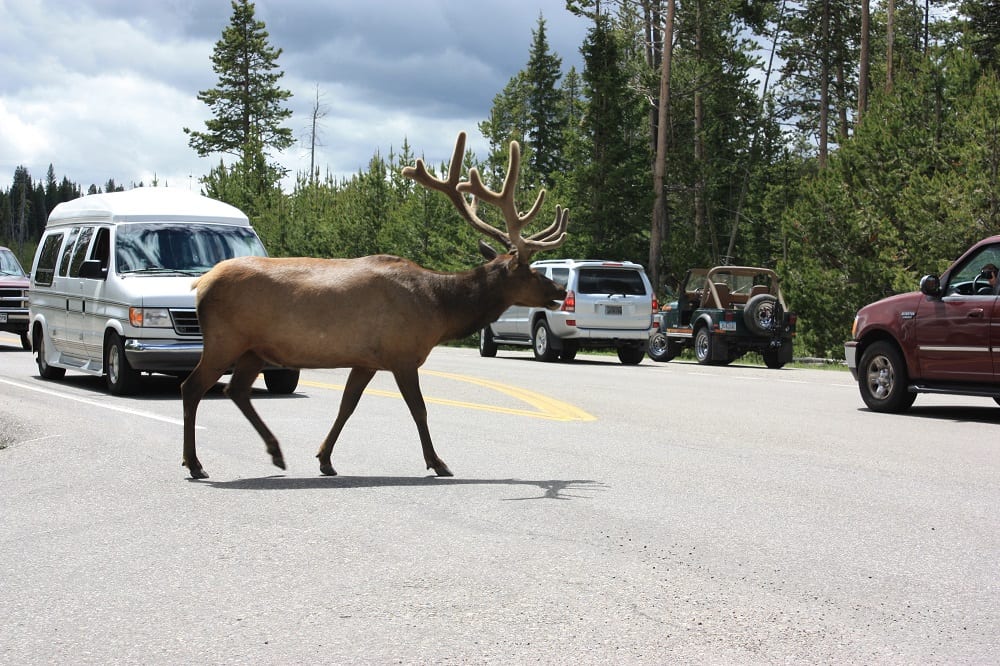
[
  {"x": 771, "y": 359},
  {"x": 119, "y": 375},
  {"x": 703, "y": 346},
  {"x": 762, "y": 314},
  {"x": 487, "y": 348},
  {"x": 660, "y": 348},
  {"x": 543, "y": 343},
  {"x": 45, "y": 371},
  {"x": 883, "y": 380},
  {"x": 631, "y": 354}
]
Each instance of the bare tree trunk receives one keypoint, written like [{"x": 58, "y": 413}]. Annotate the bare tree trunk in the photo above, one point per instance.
[
  {"x": 890, "y": 36},
  {"x": 824, "y": 86},
  {"x": 659, "y": 231},
  {"x": 864, "y": 66},
  {"x": 699, "y": 142}
]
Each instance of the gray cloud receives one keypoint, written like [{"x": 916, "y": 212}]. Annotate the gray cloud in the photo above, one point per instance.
[{"x": 102, "y": 88}]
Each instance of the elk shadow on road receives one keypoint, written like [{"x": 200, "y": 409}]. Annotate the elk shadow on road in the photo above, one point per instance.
[{"x": 558, "y": 489}]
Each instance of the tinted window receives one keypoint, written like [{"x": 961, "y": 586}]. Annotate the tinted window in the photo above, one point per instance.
[
  {"x": 560, "y": 276},
  {"x": 967, "y": 275},
  {"x": 184, "y": 248},
  {"x": 46, "y": 267},
  {"x": 80, "y": 251},
  {"x": 610, "y": 281},
  {"x": 68, "y": 251}
]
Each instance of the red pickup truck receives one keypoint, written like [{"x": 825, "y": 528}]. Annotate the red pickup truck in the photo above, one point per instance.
[{"x": 944, "y": 338}]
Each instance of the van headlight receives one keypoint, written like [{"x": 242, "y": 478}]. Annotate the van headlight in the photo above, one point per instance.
[{"x": 150, "y": 318}]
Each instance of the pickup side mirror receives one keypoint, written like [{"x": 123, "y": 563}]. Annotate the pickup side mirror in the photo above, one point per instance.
[
  {"x": 92, "y": 269},
  {"x": 930, "y": 285}
]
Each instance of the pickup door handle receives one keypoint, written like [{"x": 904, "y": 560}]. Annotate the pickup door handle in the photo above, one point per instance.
[{"x": 977, "y": 312}]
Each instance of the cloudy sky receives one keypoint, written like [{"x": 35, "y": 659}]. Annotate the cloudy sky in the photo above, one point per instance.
[{"x": 102, "y": 88}]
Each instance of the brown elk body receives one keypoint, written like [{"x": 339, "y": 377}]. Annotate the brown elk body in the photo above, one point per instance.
[{"x": 368, "y": 314}]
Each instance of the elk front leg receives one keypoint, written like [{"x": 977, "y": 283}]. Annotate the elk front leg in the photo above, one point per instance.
[
  {"x": 409, "y": 386},
  {"x": 244, "y": 374},
  {"x": 356, "y": 383},
  {"x": 193, "y": 389}
]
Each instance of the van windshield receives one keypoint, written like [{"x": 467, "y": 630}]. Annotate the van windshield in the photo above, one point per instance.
[{"x": 185, "y": 248}]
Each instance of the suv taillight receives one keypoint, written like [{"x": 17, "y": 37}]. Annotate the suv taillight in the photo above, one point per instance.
[
  {"x": 656, "y": 305},
  {"x": 569, "y": 303}
]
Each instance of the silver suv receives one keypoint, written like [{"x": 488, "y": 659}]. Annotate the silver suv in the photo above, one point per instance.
[{"x": 609, "y": 305}]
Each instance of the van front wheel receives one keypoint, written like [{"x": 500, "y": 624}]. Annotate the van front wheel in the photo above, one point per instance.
[
  {"x": 119, "y": 375},
  {"x": 45, "y": 371}
]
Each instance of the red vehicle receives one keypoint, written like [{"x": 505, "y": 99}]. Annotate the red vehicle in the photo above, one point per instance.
[
  {"x": 13, "y": 297},
  {"x": 944, "y": 338}
]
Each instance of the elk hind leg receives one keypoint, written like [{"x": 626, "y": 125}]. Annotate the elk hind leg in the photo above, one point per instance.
[
  {"x": 193, "y": 389},
  {"x": 356, "y": 383},
  {"x": 244, "y": 374},
  {"x": 409, "y": 385}
]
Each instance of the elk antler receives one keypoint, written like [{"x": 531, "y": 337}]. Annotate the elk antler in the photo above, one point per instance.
[{"x": 454, "y": 189}]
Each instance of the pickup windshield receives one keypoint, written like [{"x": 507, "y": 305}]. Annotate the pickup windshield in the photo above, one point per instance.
[{"x": 186, "y": 249}]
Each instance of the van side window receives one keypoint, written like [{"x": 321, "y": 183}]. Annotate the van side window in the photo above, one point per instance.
[
  {"x": 101, "y": 250},
  {"x": 68, "y": 251},
  {"x": 80, "y": 252},
  {"x": 46, "y": 268}
]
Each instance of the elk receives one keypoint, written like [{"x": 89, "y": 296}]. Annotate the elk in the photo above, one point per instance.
[{"x": 368, "y": 314}]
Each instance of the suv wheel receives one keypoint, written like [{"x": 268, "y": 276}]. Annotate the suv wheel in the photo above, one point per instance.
[
  {"x": 487, "y": 348},
  {"x": 569, "y": 350},
  {"x": 631, "y": 354},
  {"x": 543, "y": 343},
  {"x": 883, "y": 380},
  {"x": 120, "y": 377}
]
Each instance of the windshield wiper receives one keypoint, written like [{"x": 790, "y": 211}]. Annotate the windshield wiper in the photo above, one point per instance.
[{"x": 163, "y": 271}]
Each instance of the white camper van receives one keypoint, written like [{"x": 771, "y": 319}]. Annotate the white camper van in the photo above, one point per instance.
[{"x": 111, "y": 283}]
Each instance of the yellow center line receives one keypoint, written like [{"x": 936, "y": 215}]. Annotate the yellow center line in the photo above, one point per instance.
[{"x": 544, "y": 406}]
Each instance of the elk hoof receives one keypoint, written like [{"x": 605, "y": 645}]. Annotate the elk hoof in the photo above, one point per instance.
[
  {"x": 197, "y": 472},
  {"x": 441, "y": 469},
  {"x": 326, "y": 469},
  {"x": 278, "y": 460}
]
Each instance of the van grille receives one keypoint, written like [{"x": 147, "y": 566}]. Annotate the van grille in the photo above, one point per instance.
[{"x": 186, "y": 322}]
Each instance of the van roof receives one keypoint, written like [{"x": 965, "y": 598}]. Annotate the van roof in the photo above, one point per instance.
[{"x": 147, "y": 204}]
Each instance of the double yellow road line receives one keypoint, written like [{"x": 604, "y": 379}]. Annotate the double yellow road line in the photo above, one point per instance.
[{"x": 543, "y": 406}]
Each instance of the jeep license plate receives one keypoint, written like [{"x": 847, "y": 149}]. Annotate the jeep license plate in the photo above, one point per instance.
[
  {"x": 727, "y": 325},
  {"x": 612, "y": 309}
]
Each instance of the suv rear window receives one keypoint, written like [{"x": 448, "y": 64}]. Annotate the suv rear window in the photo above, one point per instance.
[{"x": 610, "y": 281}]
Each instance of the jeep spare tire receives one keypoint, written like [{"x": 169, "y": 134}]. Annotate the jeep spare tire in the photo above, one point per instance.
[{"x": 762, "y": 315}]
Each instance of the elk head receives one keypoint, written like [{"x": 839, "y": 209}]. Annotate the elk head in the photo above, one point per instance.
[{"x": 525, "y": 286}]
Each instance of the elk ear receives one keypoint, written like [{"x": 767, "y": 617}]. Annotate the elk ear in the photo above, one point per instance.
[{"x": 488, "y": 252}]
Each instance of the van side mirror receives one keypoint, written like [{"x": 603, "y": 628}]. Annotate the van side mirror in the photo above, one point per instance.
[
  {"x": 930, "y": 285},
  {"x": 92, "y": 269}
]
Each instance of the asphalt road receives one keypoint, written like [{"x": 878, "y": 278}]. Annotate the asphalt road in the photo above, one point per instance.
[{"x": 664, "y": 513}]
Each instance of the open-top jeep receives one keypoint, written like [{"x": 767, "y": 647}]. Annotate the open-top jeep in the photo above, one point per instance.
[{"x": 723, "y": 313}]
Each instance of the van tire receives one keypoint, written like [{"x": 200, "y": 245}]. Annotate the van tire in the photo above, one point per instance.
[
  {"x": 281, "y": 382},
  {"x": 119, "y": 375},
  {"x": 45, "y": 371}
]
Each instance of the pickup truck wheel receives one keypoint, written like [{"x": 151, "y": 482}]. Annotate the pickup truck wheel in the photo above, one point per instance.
[
  {"x": 119, "y": 375},
  {"x": 45, "y": 371},
  {"x": 703, "y": 346},
  {"x": 487, "y": 347},
  {"x": 762, "y": 314},
  {"x": 281, "y": 382},
  {"x": 25, "y": 342},
  {"x": 883, "y": 380},
  {"x": 543, "y": 343},
  {"x": 631, "y": 354}
]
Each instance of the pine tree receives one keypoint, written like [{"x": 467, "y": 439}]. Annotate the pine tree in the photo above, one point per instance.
[
  {"x": 546, "y": 113},
  {"x": 247, "y": 103}
]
